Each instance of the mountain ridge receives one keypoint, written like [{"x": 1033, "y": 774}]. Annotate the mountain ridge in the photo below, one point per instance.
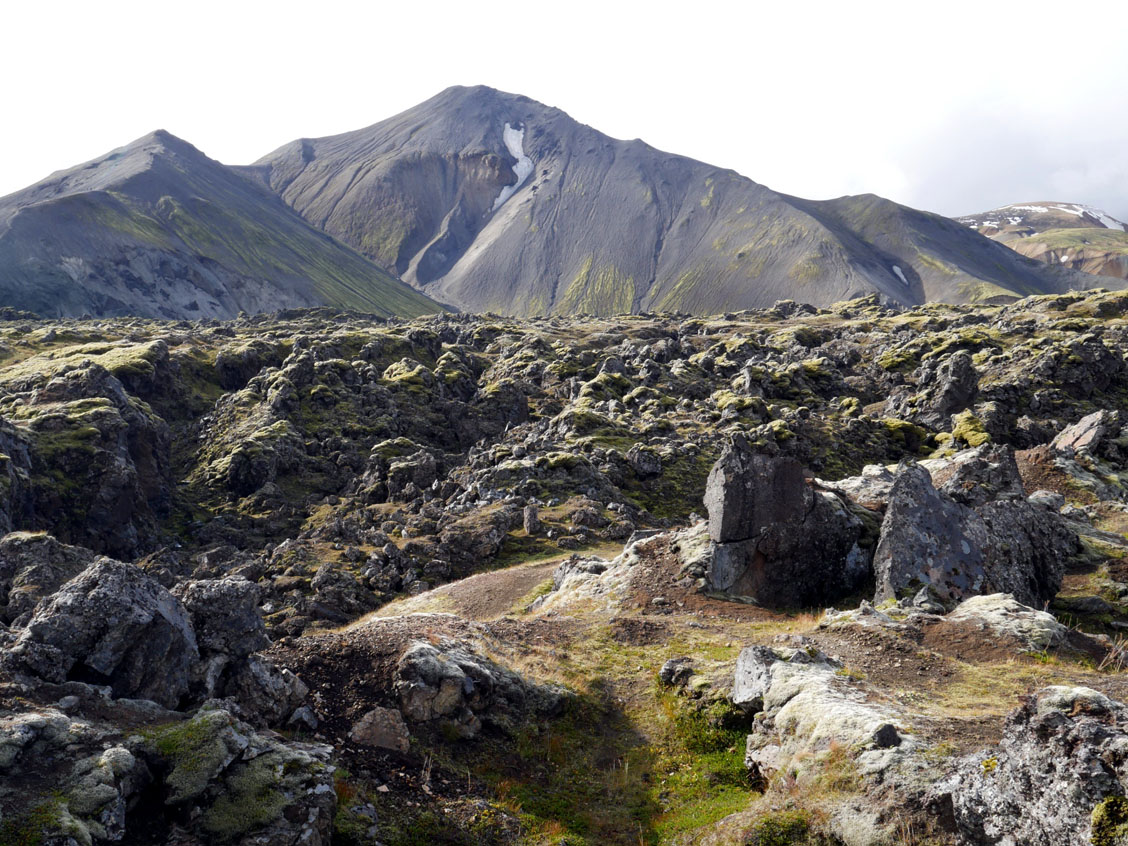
[
  {"x": 1064, "y": 234},
  {"x": 607, "y": 226},
  {"x": 157, "y": 228}
]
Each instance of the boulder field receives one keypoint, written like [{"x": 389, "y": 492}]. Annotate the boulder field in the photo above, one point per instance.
[{"x": 852, "y": 575}]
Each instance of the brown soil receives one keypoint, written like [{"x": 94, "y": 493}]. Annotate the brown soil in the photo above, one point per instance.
[
  {"x": 657, "y": 576},
  {"x": 1036, "y": 467}
]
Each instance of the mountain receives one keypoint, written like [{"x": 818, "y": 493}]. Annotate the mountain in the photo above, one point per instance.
[
  {"x": 492, "y": 201},
  {"x": 1061, "y": 234},
  {"x": 158, "y": 229}
]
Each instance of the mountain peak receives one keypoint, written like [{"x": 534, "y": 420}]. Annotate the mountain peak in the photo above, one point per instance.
[
  {"x": 1061, "y": 234},
  {"x": 492, "y": 201},
  {"x": 1042, "y": 215}
]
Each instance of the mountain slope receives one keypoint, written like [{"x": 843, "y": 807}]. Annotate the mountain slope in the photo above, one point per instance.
[
  {"x": 158, "y": 229},
  {"x": 1064, "y": 234},
  {"x": 492, "y": 201}
]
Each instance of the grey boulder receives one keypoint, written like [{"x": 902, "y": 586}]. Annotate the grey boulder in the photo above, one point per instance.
[
  {"x": 33, "y": 566},
  {"x": 776, "y": 538},
  {"x": 111, "y": 625},
  {"x": 930, "y": 540},
  {"x": 224, "y": 615},
  {"x": 1056, "y": 778},
  {"x": 452, "y": 683}
]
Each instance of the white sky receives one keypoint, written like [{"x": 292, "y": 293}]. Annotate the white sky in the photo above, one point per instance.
[{"x": 960, "y": 108}]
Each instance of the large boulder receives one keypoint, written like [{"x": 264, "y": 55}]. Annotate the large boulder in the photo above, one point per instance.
[
  {"x": 229, "y": 629},
  {"x": 1087, "y": 434},
  {"x": 999, "y": 613},
  {"x": 776, "y": 538},
  {"x": 1057, "y": 777},
  {"x": 101, "y": 458},
  {"x": 33, "y": 566},
  {"x": 451, "y": 683},
  {"x": 746, "y": 490},
  {"x": 804, "y": 705},
  {"x": 78, "y": 769},
  {"x": 1004, "y": 546},
  {"x": 980, "y": 475},
  {"x": 945, "y": 387},
  {"x": 225, "y": 616},
  {"x": 112, "y": 625}
]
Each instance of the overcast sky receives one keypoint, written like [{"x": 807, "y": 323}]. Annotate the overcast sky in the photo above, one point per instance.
[{"x": 960, "y": 108}]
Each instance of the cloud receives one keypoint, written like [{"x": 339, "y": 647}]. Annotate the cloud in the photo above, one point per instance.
[{"x": 982, "y": 158}]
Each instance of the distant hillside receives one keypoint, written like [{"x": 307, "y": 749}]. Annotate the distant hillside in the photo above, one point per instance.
[
  {"x": 1060, "y": 234},
  {"x": 156, "y": 228},
  {"x": 492, "y": 201}
]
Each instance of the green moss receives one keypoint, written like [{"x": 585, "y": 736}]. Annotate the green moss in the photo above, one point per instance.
[
  {"x": 686, "y": 290},
  {"x": 780, "y": 828},
  {"x": 725, "y": 400},
  {"x": 805, "y": 271},
  {"x": 898, "y": 360},
  {"x": 33, "y": 827},
  {"x": 969, "y": 429},
  {"x": 905, "y": 435},
  {"x": 195, "y": 749},
  {"x": 252, "y": 798},
  {"x": 602, "y": 290},
  {"x": 383, "y": 239},
  {"x": 559, "y": 461},
  {"x": 933, "y": 263},
  {"x": 779, "y": 431},
  {"x": 606, "y": 386},
  {"x": 1109, "y": 821}
]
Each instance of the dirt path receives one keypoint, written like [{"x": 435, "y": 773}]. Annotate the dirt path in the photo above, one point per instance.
[{"x": 484, "y": 596}]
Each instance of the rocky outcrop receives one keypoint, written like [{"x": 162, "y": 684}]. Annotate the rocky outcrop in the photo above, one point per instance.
[
  {"x": 100, "y": 457},
  {"x": 207, "y": 779},
  {"x": 1034, "y": 630},
  {"x": 977, "y": 476},
  {"x": 111, "y": 625},
  {"x": 229, "y": 629},
  {"x": 946, "y": 385},
  {"x": 451, "y": 683},
  {"x": 1055, "y": 778},
  {"x": 776, "y": 538},
  {"x": 1004, "y": 546},
  {"x": 33, "y": 566},
  {"x": 804, "y": 706},
  {"x": 225, "y": 616}
]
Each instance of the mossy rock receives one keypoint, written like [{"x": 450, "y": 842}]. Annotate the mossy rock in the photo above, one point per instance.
[
  {"x": 196, "y": 750},
  {"x": 1110, "y": 822},
  {"x": 781, "y": 828},
  {"x": 253, "y": 797},
  {"x": 969, "y": 429}
]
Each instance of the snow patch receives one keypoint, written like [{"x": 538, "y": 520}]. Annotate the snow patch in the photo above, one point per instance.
[
  {"x": 515, "y": 143},
  {"x": 901, "y": 275},
  {"x": 1107, "y": 220},
  {"x": 1064, "y": 259}
]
